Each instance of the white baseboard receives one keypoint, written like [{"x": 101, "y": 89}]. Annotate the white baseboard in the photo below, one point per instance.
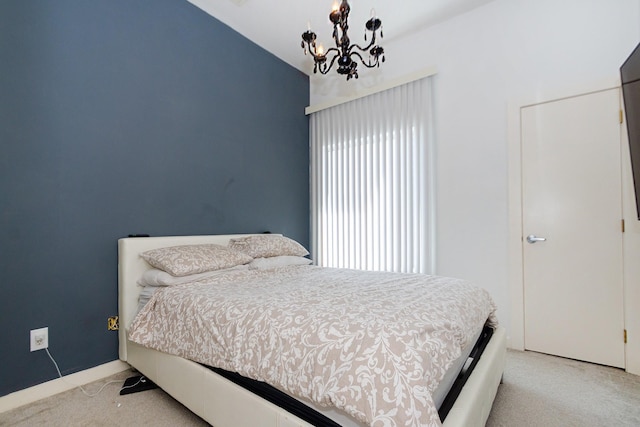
[{"x": 50, "y": 388}]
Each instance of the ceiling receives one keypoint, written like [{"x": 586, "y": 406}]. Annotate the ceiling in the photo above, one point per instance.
[{"x": 277, "y": 25}]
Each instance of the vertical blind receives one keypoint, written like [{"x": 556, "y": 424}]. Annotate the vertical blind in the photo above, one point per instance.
[{"x": 372, "y": 169}]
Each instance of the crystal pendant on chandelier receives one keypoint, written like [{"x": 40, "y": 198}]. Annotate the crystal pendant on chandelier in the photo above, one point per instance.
[{"x": 344, "y": 54}]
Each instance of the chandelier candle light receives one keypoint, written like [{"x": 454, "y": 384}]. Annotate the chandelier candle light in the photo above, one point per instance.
[{"x": 345, "y": 53}]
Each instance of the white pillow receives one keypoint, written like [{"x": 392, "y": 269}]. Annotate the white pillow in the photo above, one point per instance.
[
  {"x": 145, "y": 296},
  {"x": 155, "y": 277},
  {"x": 278, "y": 261}
]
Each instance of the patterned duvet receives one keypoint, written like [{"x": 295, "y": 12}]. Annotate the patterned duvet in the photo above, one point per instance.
[{"x": 372, "y": 344}]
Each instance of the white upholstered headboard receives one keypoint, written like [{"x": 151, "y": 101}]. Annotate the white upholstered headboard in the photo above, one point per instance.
[{"x": 130, "y": 269}]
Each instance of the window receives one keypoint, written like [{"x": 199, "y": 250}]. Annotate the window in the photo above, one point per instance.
[{"x": 372, "y": 169}]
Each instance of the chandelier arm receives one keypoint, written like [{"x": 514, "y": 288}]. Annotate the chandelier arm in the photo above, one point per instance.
[
  {"x": 316, "y": 56},
  {"x": 364, "y": 49},
  {"x": 328, "y": 67},
  {"x": 362, "y": 61},
  {"x": 333, "y": 49}
]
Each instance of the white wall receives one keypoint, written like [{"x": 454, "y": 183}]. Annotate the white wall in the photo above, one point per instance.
[{"x": 487, "y": 60}]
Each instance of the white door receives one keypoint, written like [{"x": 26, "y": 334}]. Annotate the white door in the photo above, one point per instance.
[{"x": 571, "y": 177}]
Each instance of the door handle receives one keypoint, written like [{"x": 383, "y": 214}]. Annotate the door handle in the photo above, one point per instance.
[{"x": 531, "y": 238}]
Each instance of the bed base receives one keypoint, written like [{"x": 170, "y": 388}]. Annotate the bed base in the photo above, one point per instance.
[
  {"x": 223, "y": 403},
  {"x": 308, "y": 414}
]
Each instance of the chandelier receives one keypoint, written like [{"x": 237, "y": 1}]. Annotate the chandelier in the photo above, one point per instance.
[{"x": 345, "y": 53}]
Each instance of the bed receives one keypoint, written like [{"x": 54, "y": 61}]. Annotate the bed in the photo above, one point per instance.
[{"x": 224, "y": 400}]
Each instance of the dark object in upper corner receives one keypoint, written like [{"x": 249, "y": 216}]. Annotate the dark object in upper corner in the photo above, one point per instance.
[{"x": 630, "y": 77}]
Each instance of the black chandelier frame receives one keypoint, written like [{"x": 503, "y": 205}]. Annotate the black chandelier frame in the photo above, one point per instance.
[{"x": 344, "y": 53}]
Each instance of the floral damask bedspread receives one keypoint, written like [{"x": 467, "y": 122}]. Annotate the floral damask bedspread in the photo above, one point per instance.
[{"x": 373, "y": 344}]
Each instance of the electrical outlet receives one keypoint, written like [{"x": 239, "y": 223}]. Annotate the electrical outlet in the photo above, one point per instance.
[
  {"x": 39, "y": 339},
  {"x": 112, "y": 323}
]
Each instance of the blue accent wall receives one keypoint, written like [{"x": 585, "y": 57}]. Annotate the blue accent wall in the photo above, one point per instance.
[{"x": 120, "y": 117}]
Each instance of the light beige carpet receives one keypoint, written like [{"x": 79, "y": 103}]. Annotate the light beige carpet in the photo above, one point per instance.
[
  {"x": 72, "y": 408},
  {"x": 538, "y": 390},
  {"x": 546, "y": 391}
]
